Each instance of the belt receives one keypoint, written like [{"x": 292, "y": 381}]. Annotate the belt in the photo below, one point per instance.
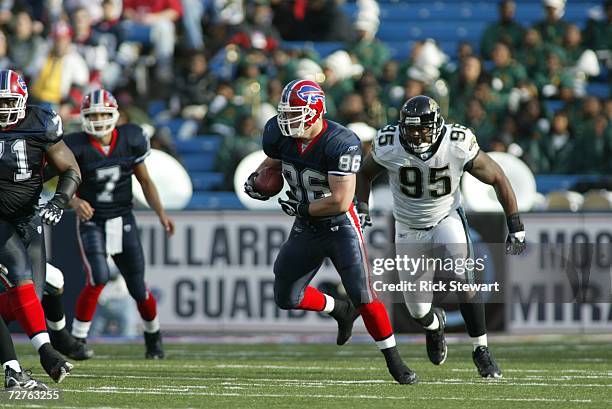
[
  {"x": 429, "y": 227},
  {"x": 322, "y": 222}
]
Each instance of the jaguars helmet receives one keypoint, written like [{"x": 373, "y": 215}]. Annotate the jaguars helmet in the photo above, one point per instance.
[{"x": 420, "y": 124}]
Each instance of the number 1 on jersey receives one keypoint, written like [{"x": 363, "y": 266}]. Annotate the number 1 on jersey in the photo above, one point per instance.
[
  {"x": 19, "y": 149},
  {"x": 111, "y": 176}
]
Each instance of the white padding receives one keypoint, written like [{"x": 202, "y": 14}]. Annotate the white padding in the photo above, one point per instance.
[{"x": 55, "y": 277}]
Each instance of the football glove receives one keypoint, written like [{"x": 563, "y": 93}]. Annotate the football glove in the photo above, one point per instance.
[
  {"x": 292, "y": 206},
  {"x": 363, "y": 211},
  {"x": 249, "y": 188},
  {"x": 515, "y": 242},
  {"x": 51, "y": 213}
]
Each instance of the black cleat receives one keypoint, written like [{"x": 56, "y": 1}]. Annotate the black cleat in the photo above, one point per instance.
[
  {"x": 398, "y": 369},
  {"x": 70, "y": 346},
  {"x": 14, "y": 380},
  {"x": 54, "y": 364},
  {"x": 487, "y": 368},
  {"x": 437, "y": 348},
  {"x": 345, "y": 314},
  {"x": 153, "y": 343}
]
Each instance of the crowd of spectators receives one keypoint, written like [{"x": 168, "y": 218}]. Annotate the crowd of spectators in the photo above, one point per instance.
[{"x": 220, "y": 66}]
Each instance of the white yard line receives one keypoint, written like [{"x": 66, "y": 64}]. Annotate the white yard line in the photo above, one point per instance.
[{"x": 325, "y": 396}]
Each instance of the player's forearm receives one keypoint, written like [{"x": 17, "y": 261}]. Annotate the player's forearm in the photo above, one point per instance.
[
  {"x": 67, "y": 186},
  {"x": 362, "y": 190},
  {"x": 152, "y": 196},
  {"x": 505, "y": 194},
  {"x": 330, "y": 206}
]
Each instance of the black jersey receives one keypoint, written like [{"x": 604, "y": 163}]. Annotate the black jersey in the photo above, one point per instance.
[
  {"x": 22, "y": 156},
  {"x": 107, "y": 174},
  {"x": 335, "y": 151}
]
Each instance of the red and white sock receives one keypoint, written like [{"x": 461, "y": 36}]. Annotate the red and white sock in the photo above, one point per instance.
[
  {"x": 85, "y": 310},
  {"x": 26, "y": 308},
  {"x": 377, "y": 323},
  {"x": 148, "y": 313},
  {"x": 314, "y": 300}
]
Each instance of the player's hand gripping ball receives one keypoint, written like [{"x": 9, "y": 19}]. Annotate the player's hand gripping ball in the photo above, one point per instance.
[{"x": 264, "y": 184}]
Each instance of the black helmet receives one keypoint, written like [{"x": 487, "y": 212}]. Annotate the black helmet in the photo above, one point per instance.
[{"x": 420, "y": 124}]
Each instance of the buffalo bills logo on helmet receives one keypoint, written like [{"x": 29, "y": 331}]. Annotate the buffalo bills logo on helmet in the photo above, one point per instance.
[
  {"x": 22, "y": 83},
  {"x": 310, "y": 94}
]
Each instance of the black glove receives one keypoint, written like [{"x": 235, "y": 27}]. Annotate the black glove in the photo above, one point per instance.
[
  {"x": 52, "y": 212},
  {"x": 363, "y": 211},
  {"x": 293, "y": 207},
  {"x": 249, "y": 188},
  {"x": 515, "y": 242}
]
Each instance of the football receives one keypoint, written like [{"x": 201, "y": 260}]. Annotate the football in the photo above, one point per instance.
[{"x": 269, "y": 182}]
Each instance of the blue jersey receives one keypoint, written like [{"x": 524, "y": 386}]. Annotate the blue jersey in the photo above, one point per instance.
[
  {"x": 336, "y": 150},
  {"x": 107, "y": 174},
  {"x": 22, "y": 156}
]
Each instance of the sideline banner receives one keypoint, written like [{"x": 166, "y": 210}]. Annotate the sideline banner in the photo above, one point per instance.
[
  {"x": 216, "y": 273},
  {"x": 562, "y": 282}
]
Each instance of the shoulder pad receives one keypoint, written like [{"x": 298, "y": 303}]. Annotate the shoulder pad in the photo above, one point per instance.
[
  {"x": 463, "y": 140},
  {"x": 50, "y": 123}
]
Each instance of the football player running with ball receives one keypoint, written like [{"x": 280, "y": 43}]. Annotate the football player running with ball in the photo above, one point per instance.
[
  {"x": 109, "y": 156},
  {"x": 319, "y": 160},
  {"x": 425, "y": 159}
]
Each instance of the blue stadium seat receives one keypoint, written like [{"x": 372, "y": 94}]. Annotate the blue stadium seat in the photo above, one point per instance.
[
  {"x": 553, "y": 105},
  {"x": 173, "y": 125},
  {"x": 156, "y": 107},
  {"x": 599, "y": 89},
  {"x": 198, "y": 144},
  {"x": 214, "y": 200},
  {"x": 438, "y": 30},
  {"x": 203, "y": 181},
  {"x": 199, "y": 162},
  {"x": 323, "y": 48}
]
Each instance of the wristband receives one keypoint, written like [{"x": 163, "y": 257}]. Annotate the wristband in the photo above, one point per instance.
[{"x": 514, "y": 223}]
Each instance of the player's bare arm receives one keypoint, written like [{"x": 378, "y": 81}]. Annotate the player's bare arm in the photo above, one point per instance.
[
  {"x": 342, "y": 193},
  {"x": 152, "y": 196},
  {"x": 488, "y": 171},
  {"x": 368, "y": 172},
  {"x": 62, "y": 159}
]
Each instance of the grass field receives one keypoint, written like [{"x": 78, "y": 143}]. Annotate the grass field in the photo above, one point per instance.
[{"x": 550, "y": 372}]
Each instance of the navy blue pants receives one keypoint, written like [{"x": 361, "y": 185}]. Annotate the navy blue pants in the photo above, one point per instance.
[
  {"x": 131, "y": 262},
  {"x": 303, "y": 253},
  {"x": 22, "y": 253}
]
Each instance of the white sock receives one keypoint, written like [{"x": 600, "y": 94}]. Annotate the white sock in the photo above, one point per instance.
[
  {"x": 330, "y": 303},
  {"x": 151, "y": 326},
  {"x": 40, "y": 340},
  {"x": 13, "y": 364},
  {"x": 80, "y": 329},
  {"x": 479, "y": 341},
  {"x": 389, "y": 342},
  {"x": 57, "y": 326},
  {"x": 435, "y": 324}
]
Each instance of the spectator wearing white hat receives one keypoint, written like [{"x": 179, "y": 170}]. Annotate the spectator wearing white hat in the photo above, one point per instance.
[
  {"x": 370, "y": 52},
  {"x": 552, "y": 28}
]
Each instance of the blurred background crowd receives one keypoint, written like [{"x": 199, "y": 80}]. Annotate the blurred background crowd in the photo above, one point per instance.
[{"x": 204, "y": 76}]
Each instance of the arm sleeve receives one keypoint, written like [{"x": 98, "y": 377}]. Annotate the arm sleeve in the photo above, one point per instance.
[
  {"x": 270, "y": 139},
  {"x": 54, "y": 131},
  {"x": 344, "y": 157},
  {"x": 141, "y": 146}
]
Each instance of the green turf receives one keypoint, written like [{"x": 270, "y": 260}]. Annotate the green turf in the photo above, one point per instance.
[{"x": 558, "y": 373}]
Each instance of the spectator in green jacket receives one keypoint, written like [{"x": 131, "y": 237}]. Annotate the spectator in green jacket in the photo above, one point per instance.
[
  {"x": 594, "y": 137},
  {"x": 598, "y": 33},
  {"x": 477, "y": 119},
  {"x": 554, "y": 82},
  {"x": 553, "y": 28},
  {"x": 506, "y": 73},
  {"x": 506, "y": 30},
  {"x": 370, "y": 51},
  {"x": 559, "y": 147}
]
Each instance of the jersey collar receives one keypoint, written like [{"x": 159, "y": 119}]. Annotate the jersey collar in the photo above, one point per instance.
[
  {"x": 303, "y": 150},
  {"x": 96, "y": 144}
]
